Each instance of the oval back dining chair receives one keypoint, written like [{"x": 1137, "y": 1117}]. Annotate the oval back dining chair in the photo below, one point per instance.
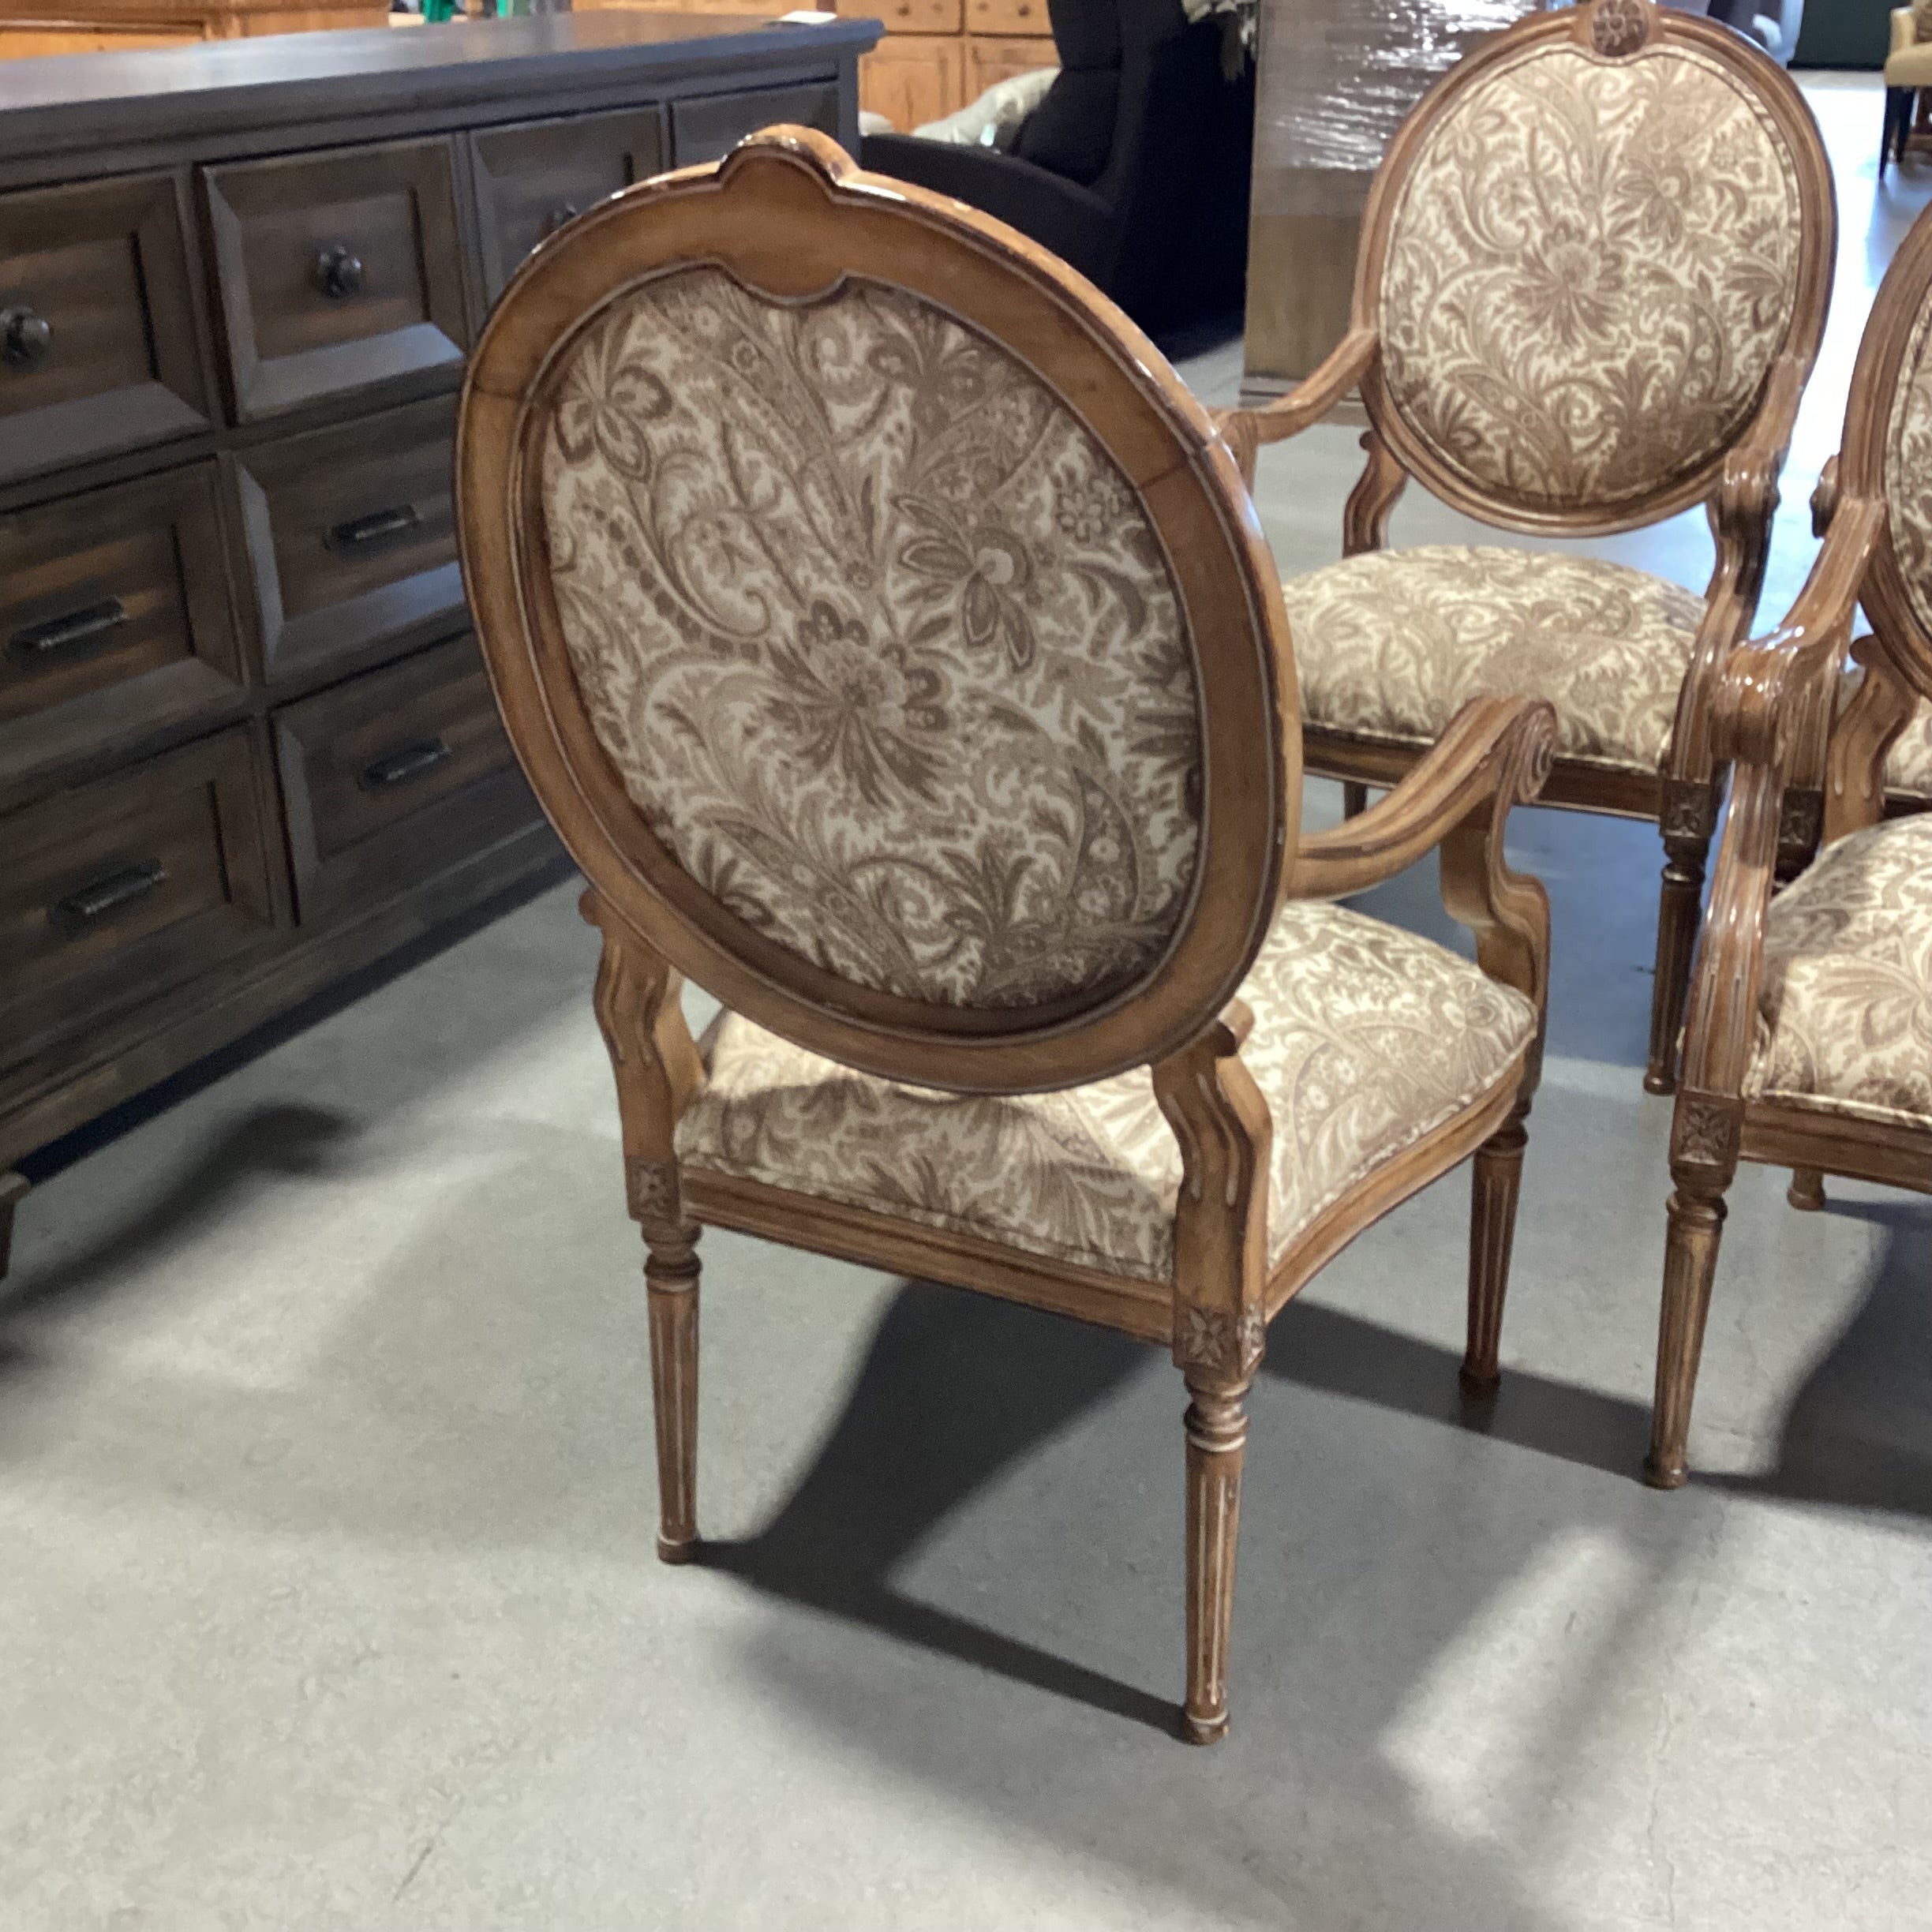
[
  {"x": 1808, "y": 1042},
  {"x": 887, "y": 633},
  {"x": 1594, "y": 270}
]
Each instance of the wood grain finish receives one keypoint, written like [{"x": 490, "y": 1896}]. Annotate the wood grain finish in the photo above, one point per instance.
[
  {"x": 338, "y": 272},
  {"x": 93, "y": 26},
  {"x": 1737, "y": 484},
  {"x": 350, "y": 539},
  {"x": 99, "y": 353},
  {"x": 392, "y": 777},
  {"x": 532, "y": 178},
  {"x": 786, "y": 215},
  {"x": 1771, "y": 698}
]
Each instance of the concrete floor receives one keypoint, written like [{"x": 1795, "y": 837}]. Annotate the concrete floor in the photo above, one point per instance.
[{"x": 326, "y": 1509}]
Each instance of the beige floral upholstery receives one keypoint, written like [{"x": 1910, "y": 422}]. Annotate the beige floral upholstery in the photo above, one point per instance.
[
  {"x": 1365, "y": 1037},
  {"x": 1391, "y": 645},
  {"x": 1590, "y": 272},
  {"x": 1909, "y": 763},
  {"x": 1845, "y": 1017},
  {"x": 1907, "y": 471},
  {"x": 880, "y": 641}
]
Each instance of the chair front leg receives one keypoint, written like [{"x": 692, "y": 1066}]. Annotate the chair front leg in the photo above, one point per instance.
[
  {"x": 1690, "y": 811},
  {"x": 1221, "y": 1123},
  {"x": 1705, "y": 1133},
  {"x": 657, "y": 1069},
  {"x": 1497, "y": 1182}
]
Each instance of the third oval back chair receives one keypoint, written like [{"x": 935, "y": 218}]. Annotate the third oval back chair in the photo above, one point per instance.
[
  {"x": 887, "y": 632},
  {"x": 1594, "y": 269}
]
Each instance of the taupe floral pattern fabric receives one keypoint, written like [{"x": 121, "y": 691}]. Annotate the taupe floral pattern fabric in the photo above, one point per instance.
[
  {"x": 1845, "y": 1016},
  {"x": 1590, "y": 272},
  {"x": 1908, "y": 469},
  {"x": 880, "y": 639},
  {"x": 1365, "y": 1037},
  {"x": 1909, "y": 763},
  {"x": 1391, "y": 645}
]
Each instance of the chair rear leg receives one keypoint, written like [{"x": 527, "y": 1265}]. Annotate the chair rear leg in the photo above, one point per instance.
[
  {"x": 1497, "y": 1181},
  {"x": 1806, "y": 1192},
  {"x": 1217, "y": 1441},
  {"x": 1678, "y": 907},
  {"x": 1354, "y": 798},
  {"x": 671, "y": 1281},
  {"x": 1697, "y": 1219}
]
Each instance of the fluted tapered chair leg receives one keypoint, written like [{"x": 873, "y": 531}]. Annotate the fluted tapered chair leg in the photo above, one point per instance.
[
  {"x": 671, "y": 1279},
  {"x": 1806, "y": 1192},
  {"x": 1697, "y": 1219},
  {"x": 1497, "y": 1182},
  {"x": 1217, "y": 1439}
]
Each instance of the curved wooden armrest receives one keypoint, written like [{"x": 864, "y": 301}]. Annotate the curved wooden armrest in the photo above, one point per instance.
[
  {"x": 1246, "y": 430},
  {"x": 1747, "y": 490},
  {"x": 1493, "y": 745},
  {"x": 1761, "y": 695},
  {"x": 1767, "y": 704}
]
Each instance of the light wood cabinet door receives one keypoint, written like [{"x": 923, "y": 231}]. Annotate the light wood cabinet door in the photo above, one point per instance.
[
  {"x": 911, "y": 79},
  {"x": 990, "y": 60}
]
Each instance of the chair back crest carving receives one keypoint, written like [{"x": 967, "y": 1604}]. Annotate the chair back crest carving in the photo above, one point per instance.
[
  {"x": 1584, "y": 254},
  {"x": 870, "y": 608}
]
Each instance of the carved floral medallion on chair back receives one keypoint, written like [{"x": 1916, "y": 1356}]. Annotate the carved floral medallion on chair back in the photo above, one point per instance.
[
  {"x": 1589, "y": 272},
  {"x": 1907, "y": 471},
  {"x": 881, "y": 641}
]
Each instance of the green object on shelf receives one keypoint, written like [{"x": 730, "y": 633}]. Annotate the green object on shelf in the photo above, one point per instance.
[{"x": 439, "y": 10}]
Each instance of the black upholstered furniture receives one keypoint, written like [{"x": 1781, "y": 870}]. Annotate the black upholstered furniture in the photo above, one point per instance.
[{"x": 1133, "y": 167}]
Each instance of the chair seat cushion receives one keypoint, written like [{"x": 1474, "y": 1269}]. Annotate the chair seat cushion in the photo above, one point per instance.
[
  {"x": 1391, "y": 645},
  {"x": 1845, "y": 1015},
  {"x": 1365, "y": 1037}
]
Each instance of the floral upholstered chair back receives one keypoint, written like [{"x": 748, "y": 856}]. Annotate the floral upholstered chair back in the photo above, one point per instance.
[
  {"x": 1586, "y": 255},
  {"x": 897, "y": 641}
]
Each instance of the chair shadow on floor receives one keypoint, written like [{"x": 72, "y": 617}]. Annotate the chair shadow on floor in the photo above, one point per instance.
[{"x": 957, "y": 1388}]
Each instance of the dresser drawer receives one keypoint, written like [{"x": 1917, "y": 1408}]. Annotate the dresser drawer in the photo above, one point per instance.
[
  {"x": 351, "y": 540},
  {"x": 114, "y": 618},
  {"x": 916, "y": 16},
  {"x": 709, "y": 128},
  {"x": 394, "y": 776},
  {"x": 337, "y": 271},
  {"x": 116, "y": 893},
  {"x": 533, "y": 178},
  {"x": 97, "y": 332},
  {"x": 1014, "y": 17}
]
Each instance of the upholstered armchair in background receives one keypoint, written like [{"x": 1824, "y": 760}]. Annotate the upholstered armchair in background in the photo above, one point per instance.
[
  {"x": 1133, "y": 169},
  {"x": 886, "y": 629},
  {"x": 1594, "y": 274},
  {"x": 1809, "y": 1039}
]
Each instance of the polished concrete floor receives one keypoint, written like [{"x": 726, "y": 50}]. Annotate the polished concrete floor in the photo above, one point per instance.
[{"x": 326, "y": 1510}]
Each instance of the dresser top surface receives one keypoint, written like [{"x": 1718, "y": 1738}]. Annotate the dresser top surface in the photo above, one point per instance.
[{"x": 279, "y": 78}]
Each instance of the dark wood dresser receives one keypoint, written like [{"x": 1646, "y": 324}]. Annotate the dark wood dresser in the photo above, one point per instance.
[{"x": 246, "y": 743}]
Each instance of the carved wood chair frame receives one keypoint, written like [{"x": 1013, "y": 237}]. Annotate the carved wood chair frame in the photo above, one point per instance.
[
  {"x": 1799, "y": 775},
  {"x": 787, "y": 214},
  {"x": 1738, "y": 485}
]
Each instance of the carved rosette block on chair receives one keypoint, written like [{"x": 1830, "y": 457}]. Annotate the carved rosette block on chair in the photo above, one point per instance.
[
  {"x": 1594, "y": 274},
  {"x": 887, "y": 633},
  {"x": 1804, "y": 1044}
]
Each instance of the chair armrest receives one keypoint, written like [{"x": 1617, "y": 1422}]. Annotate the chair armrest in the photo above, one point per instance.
[
  {"x": 1246, "y": 430},
  {"x": 1767, "y": 707},
  {"x": 1903, "y": 33}
]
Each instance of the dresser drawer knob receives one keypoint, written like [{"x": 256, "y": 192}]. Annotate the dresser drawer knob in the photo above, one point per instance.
[
  {"x": 400, "y": 767},
  {"x": 360, "y": 532},
  {"x": 25, "y": 337},
  {"x": 39, "y": 644},
  {"x": 564, "y": 212},
  {"x": 113, "y": 892},
  {"x": 338, "y": 271}
]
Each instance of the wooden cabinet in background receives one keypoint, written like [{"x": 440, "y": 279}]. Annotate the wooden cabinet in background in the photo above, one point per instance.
[
  {"x": 128, "y": 26},
  {"x": 911, "y": 79},
  {"x": 247, "y": 745}
]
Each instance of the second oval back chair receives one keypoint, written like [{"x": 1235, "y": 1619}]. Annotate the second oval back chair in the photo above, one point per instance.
[
  {"x": 1594, "y": 271},
  {"x": 886, "y": 631}
]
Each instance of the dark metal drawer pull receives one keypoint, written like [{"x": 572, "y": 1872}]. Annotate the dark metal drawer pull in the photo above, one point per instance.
[
  {"x": 564, "y": 212},
  {"x": 376, "y": 528},
  {"x": 395, "y": 768},
  {"x": 338, "y": 271},
  {"x": 25, "y": 337},
  {"x": 110, "y": 893},
  {"x": 38, "y": 644}
]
